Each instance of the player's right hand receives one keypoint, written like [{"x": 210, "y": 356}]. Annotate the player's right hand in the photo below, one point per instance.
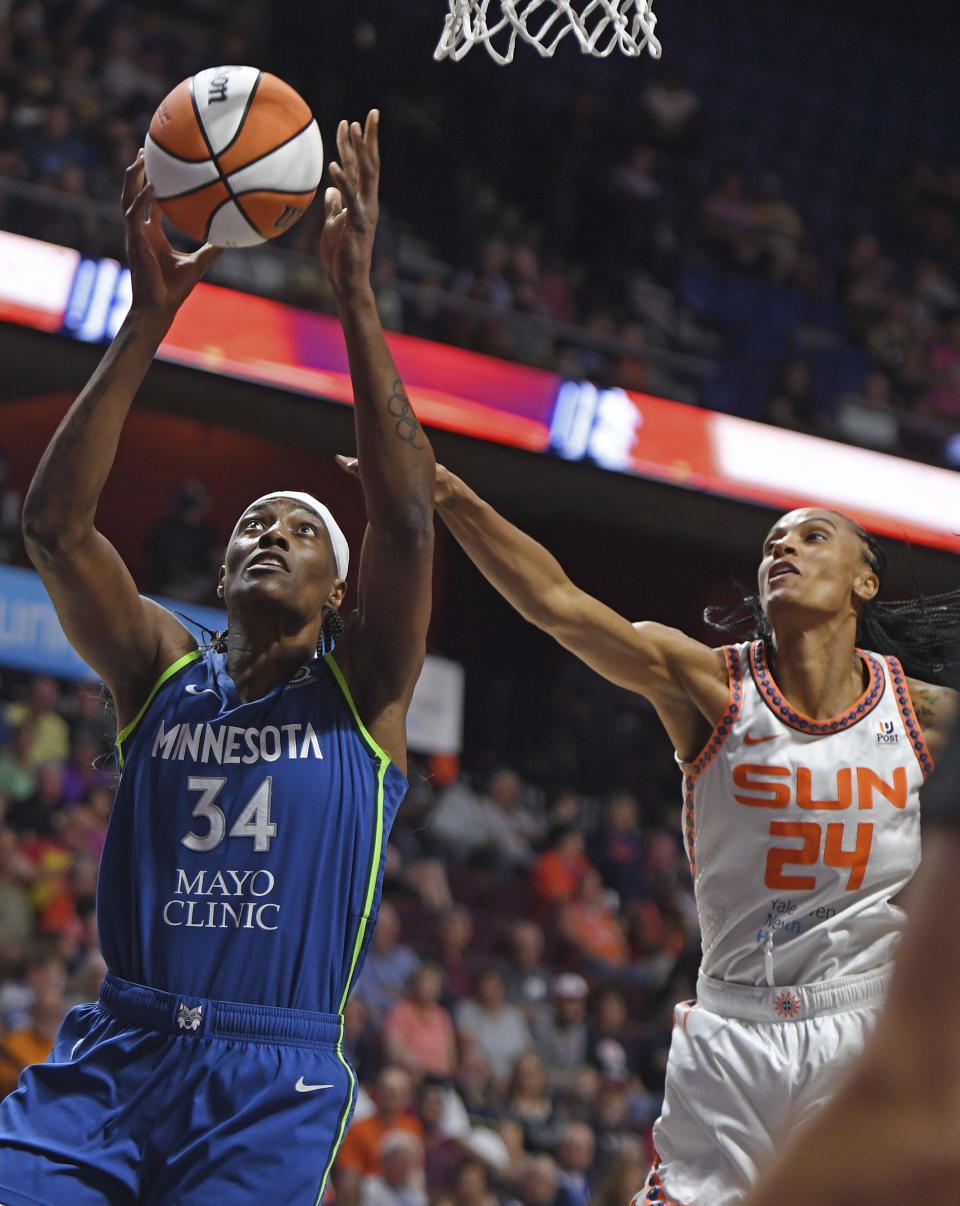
[{"x": 160, "y": 277}]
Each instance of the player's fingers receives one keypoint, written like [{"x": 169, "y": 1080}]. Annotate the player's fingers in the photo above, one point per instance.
[
  {"x": 367, "y": 153},
  {"x": 371, "y": 136},
  {"x": 345, "y": 188},
  {"x": 132, "y": 181},
  {"x": 142, "y": 205},
  {"x": 349, "y": 464},
  {"x": 348, "y": 154},
  {"x": 332, "y": 201},
  {"x": 205, "y": 256}
]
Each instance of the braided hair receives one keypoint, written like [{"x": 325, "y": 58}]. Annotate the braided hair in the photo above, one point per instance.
[{"x": 923, "y": 633}]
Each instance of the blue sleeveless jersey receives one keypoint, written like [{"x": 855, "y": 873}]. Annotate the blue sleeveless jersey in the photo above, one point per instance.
[{"x": 244, "y": 855}]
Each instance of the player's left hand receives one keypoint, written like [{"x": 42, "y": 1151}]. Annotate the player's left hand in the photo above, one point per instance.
[{"x": 352, "y": 205}]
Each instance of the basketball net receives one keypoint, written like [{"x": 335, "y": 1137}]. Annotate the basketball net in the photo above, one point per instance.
[{"x": 599, "y": 26}]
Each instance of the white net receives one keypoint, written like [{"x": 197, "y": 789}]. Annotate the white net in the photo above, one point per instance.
[{"x": 599, "y": 26}]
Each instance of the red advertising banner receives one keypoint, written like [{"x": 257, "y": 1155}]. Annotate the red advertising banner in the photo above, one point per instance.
[{"x": 236, "y": 334}]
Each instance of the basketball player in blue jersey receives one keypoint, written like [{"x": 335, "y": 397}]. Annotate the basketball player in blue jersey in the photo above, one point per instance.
[
  {"x": 240, "y": 879},
  {"x": 802, "y": 758}
]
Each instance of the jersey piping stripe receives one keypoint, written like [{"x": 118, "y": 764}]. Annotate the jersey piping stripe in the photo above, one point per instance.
[
  {"x": 909, "y": 716},
  {"x": 654, "y": 1191},
  {"x": 168, "y": 673},
  {"x": 342, "y": 1124},
  {"x": 693, "y": 770},
  {"x": 770, "y": 693},
  {"x": 384, "y": 761}
]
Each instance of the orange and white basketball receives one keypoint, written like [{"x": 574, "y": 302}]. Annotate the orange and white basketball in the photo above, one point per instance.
[{"x": 234, "y": 156}]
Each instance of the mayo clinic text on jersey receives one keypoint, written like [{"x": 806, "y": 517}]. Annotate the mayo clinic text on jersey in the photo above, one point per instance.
[{"x": 216, "y": 901}]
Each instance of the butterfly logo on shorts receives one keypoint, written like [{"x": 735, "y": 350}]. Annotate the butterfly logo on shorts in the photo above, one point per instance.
[{"x": 189, "y": 1019}]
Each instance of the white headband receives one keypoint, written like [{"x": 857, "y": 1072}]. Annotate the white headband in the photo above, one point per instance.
[{"x": 341, "y": 550}]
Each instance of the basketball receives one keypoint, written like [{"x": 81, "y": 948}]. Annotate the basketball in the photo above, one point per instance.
[{"x": 234, "y": 156}]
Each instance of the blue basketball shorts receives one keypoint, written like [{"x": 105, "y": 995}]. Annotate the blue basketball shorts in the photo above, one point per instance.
[{"x": 157, "y": 1100}]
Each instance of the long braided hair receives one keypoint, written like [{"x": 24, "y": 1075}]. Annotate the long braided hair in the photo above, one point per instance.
[{"x": 923, "y": 633}]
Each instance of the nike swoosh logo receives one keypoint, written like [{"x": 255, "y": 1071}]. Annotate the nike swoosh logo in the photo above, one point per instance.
[
  {"x": 748, "y": 740},
  {"x": 193, "y": 689},
  {"x": 301, "y": 1087}
]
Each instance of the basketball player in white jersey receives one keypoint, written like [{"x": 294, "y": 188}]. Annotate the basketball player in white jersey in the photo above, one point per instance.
[
  {"x": 802, "y": 758},
  {"x": 891, "y": 1134}
]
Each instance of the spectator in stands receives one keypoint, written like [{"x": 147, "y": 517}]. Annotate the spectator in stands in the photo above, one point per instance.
[
  {"x": 865, "y": 278},
  {"x": 792, "y": 401},
  {"x": 401, "y": 1180},
  {"x": 625, "y": 1174},
  {"x": 475, "y": 1084},
  {"x": 616, "y": 847},
  {"x": 389, "y": 965},
  {"x": 575, "y": 1158},
  {"x": 360, "y": 1152},
  {"x": 35, "y": 815},
  {"x": 512, "y": 827},
  {"x": 418, "y": 1032},
  {"x": 526, "y": 976},
  {"x": 56, "y": 145},
  {"x": 493, "y": 828},
  {"x": 499, "y": 1029},
  {"x": 16, "y": 915},
  {"x": 530, "y": 1104},
  {"x": 42, "y": 974},
  {"x": 80, "y": 772},
  {"x": 729, "y": 220},
  {"x": 184, "y": 547},
  {"x": 671, "y": 112},
  {"x": 539, "y": 1182},
  {"x": 779, "y": 228},
  {"x": 869, "y": 416},
  {"x": 442, "y": 1151},
  {"x": 593, "y": 930},
  {"x": 561, "y": 1039},
  {"x": 32, "y": 1043},
  {"x": 455, "y": 938},
  {"x": 611, "y": 1041},
  {"x": 471, "y": 1185},
  {"x": 50, "y": 732},
  {"x": 18, "y": 774},
  {"x": 559, "y": 868},
  {"x": 362, "y": 1043}
]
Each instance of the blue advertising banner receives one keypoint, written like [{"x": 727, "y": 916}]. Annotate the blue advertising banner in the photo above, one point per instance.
[{"x": 31, "y": 637}]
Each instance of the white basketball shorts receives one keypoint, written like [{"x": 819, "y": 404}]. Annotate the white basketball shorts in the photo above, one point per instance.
[{"x": 745, "y": 1065}]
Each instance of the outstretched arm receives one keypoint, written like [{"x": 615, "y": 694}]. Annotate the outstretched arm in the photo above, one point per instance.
[
  {"x": 127, "y": 639},
  {"x": 384, "y": 649},
  {"x": 684, "y": 679}
]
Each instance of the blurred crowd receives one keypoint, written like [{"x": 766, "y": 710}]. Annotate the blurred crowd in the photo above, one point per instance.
[
  {"x": 610, "y": 233},
  {"x": 510, "y": 1026}
]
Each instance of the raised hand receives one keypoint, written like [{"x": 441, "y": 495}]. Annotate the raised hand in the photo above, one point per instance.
[
  {"x": 352, "y": 205},
  {"x": 161, "y": 277}
]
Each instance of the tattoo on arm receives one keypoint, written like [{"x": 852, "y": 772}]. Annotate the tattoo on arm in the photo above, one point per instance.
[
  {"x": 935, "y": 708},
  {"x": 407, "y": 426}
]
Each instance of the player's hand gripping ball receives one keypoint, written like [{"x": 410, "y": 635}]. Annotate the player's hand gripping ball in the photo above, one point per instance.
[{"x": 234, "y": 156}]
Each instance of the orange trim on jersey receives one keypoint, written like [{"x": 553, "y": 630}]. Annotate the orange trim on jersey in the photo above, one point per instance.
[
  {"x": 772, "y": 696},
  {"x": 693, "y": 770},
  {"x": 902, "y": 694},
  {"x": 653, "y": 1192}
]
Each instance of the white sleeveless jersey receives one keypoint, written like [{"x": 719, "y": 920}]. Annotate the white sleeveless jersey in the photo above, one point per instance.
[{"x": 799, "y": 832}]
